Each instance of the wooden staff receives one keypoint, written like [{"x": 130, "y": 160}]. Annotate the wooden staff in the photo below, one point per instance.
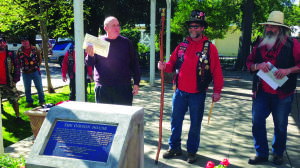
[
  {"x": 211, "y": 107},
  {"x": 162, "y": 10}
]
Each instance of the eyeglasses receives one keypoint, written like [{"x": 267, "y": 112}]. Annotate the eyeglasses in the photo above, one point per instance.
[{"x": 195, "y": 27}]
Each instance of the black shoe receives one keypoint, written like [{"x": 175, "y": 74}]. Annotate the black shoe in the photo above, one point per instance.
[
  {"x": 278, "y": 160},
  {"x": 19, "y": 120},
  {"x": 191, "y": 158},
  {"x": 171, "y": 153},
  {"x": 257, "y": 159}
]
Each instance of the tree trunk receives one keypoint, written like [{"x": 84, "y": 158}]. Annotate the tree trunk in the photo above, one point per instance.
[
  {"x": 245, "y": 39},
  {"x": 44, "y": 34}
]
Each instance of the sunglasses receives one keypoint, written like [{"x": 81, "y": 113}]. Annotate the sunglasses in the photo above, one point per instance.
[
  {"x": 24, "y": 38},
  {"x": 195, "y": 27}
]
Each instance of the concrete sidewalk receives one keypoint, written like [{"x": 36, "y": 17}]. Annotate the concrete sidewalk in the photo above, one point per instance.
[{"x": 228, "y": 134}]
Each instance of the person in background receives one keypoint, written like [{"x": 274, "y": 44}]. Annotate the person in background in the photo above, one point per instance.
[
  {"x": 112, "y": 74},
  {"x": 68, "y": 66},
  {"x": 283, "y": 53},
  {"x": 196, "y": 63},
  {"x": 30, "y": 61},
  {"x": 9, "y": 76}
]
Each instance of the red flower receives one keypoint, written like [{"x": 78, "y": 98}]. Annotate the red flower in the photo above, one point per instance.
[
  {"x": 225, "y": 162},
  {"x": 210, "y": 164}
]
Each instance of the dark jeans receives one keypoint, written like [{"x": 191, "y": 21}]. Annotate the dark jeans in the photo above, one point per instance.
[
  {"x": 182, "y": 102},
  {"x": 263, "y": 105},
  {"x": 121, "y": 95}
]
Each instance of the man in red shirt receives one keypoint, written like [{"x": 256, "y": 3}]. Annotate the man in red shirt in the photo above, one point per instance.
[
  {"x": 9, "y": 76},
  {"x": 196, "y": 63},
  {"x": 275, "y": 50},
  {"x": 68, "y": 66}
]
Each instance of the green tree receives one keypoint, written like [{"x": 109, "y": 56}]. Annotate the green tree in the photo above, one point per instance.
[
  {"x": 219, "y": 15},
  {"x": 260, "y": 14},
  {"x": 31, "y": 17}
]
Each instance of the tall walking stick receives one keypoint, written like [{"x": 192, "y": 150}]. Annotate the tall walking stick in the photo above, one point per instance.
[{"x": 163, "y": 10}]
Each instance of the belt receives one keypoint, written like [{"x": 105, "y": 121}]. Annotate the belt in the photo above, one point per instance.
[{"x": 28, "y": 72}]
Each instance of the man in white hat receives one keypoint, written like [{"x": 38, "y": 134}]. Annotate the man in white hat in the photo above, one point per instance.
[{"x": 278, "y": 50}]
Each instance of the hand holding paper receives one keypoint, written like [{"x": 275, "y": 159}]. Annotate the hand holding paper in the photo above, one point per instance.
[
  {"x": 90, "y": 50},
  {"x": 270, "y": 78}
]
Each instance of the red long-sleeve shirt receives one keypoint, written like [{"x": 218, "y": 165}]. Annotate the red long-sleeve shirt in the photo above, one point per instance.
[
  {"x": 187, "y": 79},
  {"x": 64, "y": 68}
]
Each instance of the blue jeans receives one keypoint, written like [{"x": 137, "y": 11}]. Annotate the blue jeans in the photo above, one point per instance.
[
  {"x": 263, "y": 105},
  {"x": 37, "y": 80},
  {"x": 181, "y": 102}
]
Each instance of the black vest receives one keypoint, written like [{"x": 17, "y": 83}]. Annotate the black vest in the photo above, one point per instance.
[
  {"x": 30, "y": 62},
  {"x": 285, "y": 59},
  {"x": 204, "y": 76}
]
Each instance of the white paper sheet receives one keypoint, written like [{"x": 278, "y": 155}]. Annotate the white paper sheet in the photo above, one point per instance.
[
  {"x": 270, "y": 78},
  {"x": 101, "y": 47}
]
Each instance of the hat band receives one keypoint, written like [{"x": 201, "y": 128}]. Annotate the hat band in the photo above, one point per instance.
[{"x": 275, "y": 22}]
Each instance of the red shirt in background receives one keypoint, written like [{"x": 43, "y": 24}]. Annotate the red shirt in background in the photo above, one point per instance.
[{"x": 2, "y": 68}]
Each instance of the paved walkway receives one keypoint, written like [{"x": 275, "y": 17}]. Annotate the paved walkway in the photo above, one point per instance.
[{"x": 228, "y": 134}]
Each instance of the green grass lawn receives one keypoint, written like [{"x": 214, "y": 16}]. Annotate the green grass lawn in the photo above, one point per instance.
[{"x": 12, "y": 132}]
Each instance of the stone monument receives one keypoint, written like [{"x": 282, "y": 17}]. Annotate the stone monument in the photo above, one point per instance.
[{"x": 89, "y": 135}]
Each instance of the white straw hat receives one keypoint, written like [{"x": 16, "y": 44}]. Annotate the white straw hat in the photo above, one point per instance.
[{"x": 276, "y": 18}]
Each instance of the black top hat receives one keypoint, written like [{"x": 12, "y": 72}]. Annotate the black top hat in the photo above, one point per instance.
[{"x": 197, "y": 16}]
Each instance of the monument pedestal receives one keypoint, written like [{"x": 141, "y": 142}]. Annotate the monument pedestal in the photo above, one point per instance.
[{"x": 90, "y": 135}]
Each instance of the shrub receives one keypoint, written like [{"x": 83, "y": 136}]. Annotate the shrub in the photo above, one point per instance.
[
  {"x": 133, "y": 34},
  {"x": 10, "y": 162}
]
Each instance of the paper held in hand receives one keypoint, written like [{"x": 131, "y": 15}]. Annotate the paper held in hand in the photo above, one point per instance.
[
  {"x": 270, "y": 78},
  {"x": 101, "y": 47}
]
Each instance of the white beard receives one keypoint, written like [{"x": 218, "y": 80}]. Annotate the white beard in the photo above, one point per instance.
[{"x": 269, "y": 40}]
